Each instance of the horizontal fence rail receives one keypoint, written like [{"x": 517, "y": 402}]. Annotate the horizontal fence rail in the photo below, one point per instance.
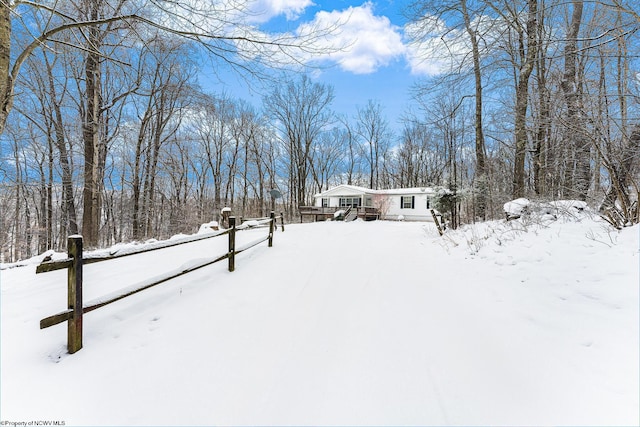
[
  {"x": 76, "y": 259},
  {"x": 92, "y": 258}
]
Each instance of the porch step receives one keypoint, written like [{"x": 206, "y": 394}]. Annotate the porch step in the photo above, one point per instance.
[{"x": 351, "y": 215}]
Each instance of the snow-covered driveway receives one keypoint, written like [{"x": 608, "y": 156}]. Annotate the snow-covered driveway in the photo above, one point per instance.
[{"x": 344, "y": 323}]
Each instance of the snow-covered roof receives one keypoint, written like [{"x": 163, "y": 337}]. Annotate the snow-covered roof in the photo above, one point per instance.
[
  {"x": 345, "y": 189},
  {"x": 413, "y": 190}
]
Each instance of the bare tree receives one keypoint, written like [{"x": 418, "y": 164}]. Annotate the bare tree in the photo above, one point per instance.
[
  {"x": 107, "y": 35},
  {"x": 351, "y": 158},
  {"x": 375, "y": 138},
  {"x": 522, "y": 47},
  {"x": 325, "y": 158},
  {"x": 221, "y": 28},
  {"x": 164, "y": 76},
  {"x": 43, "y": 108},
  {"x": 469, "y": 33},
  {"x": 300, "y": 109},
  {"x": 420, "y": 159},
  {"x": 212, "y": 128},
  {"x": 481, "y": 173}
]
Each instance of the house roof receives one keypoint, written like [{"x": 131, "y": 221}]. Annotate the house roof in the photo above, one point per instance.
[{"x": 348, "y": 190}]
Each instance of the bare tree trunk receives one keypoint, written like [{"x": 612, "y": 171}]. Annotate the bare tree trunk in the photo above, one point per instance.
[
  {"x": 541, "y": 151},
  {"x": 528, "y": 55},
  {"x": 6, "y": 83},
  {"x": 150, "y": 180},
  {"x": 41, "y": 213},
  {"x": 481, "y": 183},
  {"x": 570, "y": 88},
  {"x": 137, "y": 179},
  {"x": 61, "y": 145},
  {"x": 50, "y": 243},
  {"x": 91, "y": 136}
]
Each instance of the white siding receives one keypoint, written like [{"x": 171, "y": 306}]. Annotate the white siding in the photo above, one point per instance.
[
  {"x": 418, "y": 213},
  {"x": 387, "y": 200}
]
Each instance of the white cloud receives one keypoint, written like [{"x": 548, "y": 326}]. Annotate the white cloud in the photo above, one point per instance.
[
  {"x": 261, "y": 11},
  {"x": 434, "y": 48},
  {"x": 358, "y": 41},
  {"x": 361, "y": 42}
]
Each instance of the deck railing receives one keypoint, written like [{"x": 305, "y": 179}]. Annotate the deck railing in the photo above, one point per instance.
[
  {"x": 363, "y": 211},
  {"x": 76, "y": 260}
]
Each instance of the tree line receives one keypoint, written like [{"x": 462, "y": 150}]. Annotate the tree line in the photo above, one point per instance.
[{"x": 106, "y": 131}]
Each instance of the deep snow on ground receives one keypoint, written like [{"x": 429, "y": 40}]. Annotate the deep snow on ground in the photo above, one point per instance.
[{"x": 530, "y": 322}]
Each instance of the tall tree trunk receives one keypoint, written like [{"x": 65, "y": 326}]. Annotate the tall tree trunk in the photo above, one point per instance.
[
  {"x": 50, "y": 200},
  {"x": 91, "y": 137},
  {"x": 541, "y": 151},
  {"x": 481, "y": 183},
  {"x": 61, "y": 145},
  {"x": 570, "y": 87},
  {"x": 528, "y": 56},
  {"x": 6, "y": 85},
  {"x": 43, "y": 225},
  {"x": 150, "y": 179},
  {"x": 137, "y": 217}
]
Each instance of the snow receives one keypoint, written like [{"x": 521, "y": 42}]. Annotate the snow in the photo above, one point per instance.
[
  {"x": 209, "y": 227},
  {"x": 526, "y": 322},
  {"x": 516, "y": 207},
  {"x": 569, "y": 205}
]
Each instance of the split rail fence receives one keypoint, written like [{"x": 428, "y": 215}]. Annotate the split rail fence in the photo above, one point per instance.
[{"x": 75, "y": 261}]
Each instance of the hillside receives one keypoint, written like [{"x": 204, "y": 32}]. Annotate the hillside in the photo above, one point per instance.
[{"x": 362, "y": 323}]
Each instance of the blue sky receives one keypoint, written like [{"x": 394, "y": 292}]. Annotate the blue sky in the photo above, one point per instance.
[{"x": 378, "y": 63}]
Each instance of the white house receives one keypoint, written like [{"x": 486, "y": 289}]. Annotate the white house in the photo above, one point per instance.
[{"x": 409, "y": 204}]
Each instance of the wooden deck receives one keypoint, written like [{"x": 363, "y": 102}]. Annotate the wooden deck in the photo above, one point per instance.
[{"x": 322, "y": 214}]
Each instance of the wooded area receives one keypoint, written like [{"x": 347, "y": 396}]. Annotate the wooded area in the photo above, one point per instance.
[{"x": 106, "y": 131}]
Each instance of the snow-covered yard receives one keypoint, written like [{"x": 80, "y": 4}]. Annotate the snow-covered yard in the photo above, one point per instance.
[{"x": 357, "y": 323}]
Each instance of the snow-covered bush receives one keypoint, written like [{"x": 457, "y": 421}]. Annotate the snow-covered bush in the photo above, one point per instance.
[
  {"x": 516, "y": 208},
  {"x": 532, "y": 211}
]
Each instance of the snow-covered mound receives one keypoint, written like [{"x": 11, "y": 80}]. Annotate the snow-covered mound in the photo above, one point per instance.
[
  {"x": 516, "y": 207},
  {"x": 209, "y": 227}
]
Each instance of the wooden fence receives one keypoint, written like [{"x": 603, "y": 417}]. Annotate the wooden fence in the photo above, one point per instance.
[{"x": 75, "y": 261}]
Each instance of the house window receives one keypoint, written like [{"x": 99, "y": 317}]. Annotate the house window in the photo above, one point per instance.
[
  {"x": 350, "y": 201},
  {"x": 407, "y": 202},
  {"x": 368, "y": 201},
  {"x": 428, "y": 202},
  {"x": 325, "y": 202}
]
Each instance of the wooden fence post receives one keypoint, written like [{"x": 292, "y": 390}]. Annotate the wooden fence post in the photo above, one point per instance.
[
  {"x": 282, "y": 220},
  {"x": 74, "y": 294},
  {"x": 272, "y": 226},
  {"x": 435, "y": 219},
  {"x": 232, "y": 243}
]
